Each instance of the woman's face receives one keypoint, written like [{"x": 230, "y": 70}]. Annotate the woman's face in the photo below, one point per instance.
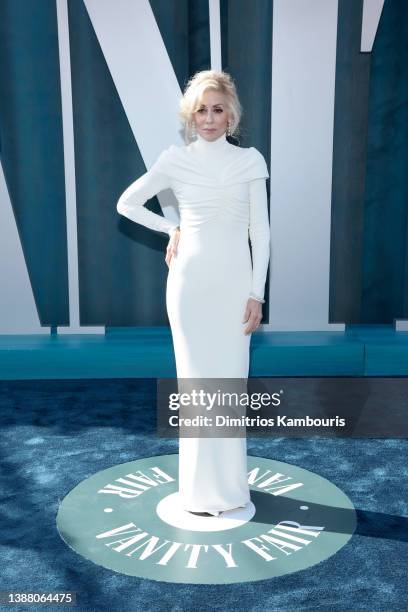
[{"x": 211, "y": 117}]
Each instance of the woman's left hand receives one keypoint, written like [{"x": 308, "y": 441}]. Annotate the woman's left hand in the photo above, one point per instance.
[
  {"x": 252, "y": 315},
  {"x": 172, "y": 246}
]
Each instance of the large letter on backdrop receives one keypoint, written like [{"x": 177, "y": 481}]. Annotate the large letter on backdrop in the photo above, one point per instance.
[
  {"x": 303, "y": 86},
  {"x": 148, "y": 88},
  {"x": 303, "y": 92}
]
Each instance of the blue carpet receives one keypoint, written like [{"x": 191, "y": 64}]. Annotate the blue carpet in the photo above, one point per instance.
[{"x": 57, "y": 433}]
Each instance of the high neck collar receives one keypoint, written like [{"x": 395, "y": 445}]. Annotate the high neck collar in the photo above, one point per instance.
[{"x": 211, "y": 145}]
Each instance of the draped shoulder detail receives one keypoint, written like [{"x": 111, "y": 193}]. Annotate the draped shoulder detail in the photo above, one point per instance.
[
  {"x": 249, "y": 164},
  {"x": 234, "y": 165},
  {"x": 165, "y": 161},
  {"x": 260, "y": 168}
]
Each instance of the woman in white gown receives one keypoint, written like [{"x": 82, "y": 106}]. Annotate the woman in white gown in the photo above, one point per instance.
[{"x": 214, "y": 295}]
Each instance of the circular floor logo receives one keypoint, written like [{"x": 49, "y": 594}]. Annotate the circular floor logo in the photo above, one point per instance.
[{"x": 127, "y": 518}]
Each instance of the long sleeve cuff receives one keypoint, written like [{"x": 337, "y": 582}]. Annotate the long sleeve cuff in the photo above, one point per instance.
[
  {"x": 172, "y": 229},
  {"x": 257, "y": 297}
]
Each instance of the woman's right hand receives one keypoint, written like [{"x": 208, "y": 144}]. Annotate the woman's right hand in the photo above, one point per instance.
[{"x": 172, "y": 246}]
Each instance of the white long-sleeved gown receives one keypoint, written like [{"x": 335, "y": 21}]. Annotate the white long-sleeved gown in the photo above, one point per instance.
[{"x": 221, "y": 192}]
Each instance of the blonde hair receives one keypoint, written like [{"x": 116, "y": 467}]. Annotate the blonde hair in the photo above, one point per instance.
[{"x": 195, "y": 88}]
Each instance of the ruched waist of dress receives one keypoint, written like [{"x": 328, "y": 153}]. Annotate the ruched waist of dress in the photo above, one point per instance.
[{"x": 226, "y": 224}]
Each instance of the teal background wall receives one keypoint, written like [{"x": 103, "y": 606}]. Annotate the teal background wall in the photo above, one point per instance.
[
  {"x": 31, "y": 147},
  {"x": 368, "y": 276},
  {"x": 122, "y": 271},
  {"x": 384, "y": 261}
]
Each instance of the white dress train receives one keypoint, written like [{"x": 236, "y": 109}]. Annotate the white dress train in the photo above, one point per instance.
[{"x": 221, "y": 192}]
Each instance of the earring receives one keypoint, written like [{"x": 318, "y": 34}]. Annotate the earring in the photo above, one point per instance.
[
  {"x": 193, "y": 130},
  {"x": 228, "y": 129}
]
